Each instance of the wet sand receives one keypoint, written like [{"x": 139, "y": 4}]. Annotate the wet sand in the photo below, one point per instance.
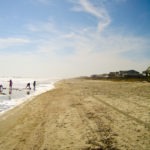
[{"x": 81, "y": 114}]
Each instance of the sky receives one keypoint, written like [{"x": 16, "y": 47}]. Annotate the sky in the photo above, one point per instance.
[{"x": 69, "y": 38}]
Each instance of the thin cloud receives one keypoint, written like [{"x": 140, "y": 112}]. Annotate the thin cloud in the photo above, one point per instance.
[
  {"x": 8, "y": 42},
  {"x": 89, "y": 41},
  {"x": 99, "y": 12},
  {"x": 42, "y": 27}
]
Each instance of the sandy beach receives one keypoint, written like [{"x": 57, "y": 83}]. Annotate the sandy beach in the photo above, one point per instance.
[{"x": 81, "y": 114}]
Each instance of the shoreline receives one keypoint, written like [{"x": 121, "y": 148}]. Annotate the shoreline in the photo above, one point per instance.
[
  {"x": 20, "y": 100},
  {"x": 80, "y": 114}
]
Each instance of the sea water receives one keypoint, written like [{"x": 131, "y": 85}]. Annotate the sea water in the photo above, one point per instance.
[{"x": 19, "y": 92}]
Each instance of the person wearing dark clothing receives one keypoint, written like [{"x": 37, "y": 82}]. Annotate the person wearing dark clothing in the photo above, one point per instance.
[
  {"x": 1, "y": 88},
  {"x": 28, "y": 86},
  {"x": 34, "y": 85},
  {"x": 10, "y": 84},
  {"x": 10, "y": 87}
]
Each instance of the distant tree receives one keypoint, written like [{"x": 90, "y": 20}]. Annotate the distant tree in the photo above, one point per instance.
[{"x": 147, "y": 73}]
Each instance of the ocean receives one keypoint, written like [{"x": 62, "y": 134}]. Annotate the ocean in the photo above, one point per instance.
[{"x": 19, "y": 93}]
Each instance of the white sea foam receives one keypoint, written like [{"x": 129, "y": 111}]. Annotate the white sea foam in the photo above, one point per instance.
[{"x": 19, "y": 93}]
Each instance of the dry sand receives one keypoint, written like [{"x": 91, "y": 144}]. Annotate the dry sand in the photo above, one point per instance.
[{"x": 81, "y": 114}]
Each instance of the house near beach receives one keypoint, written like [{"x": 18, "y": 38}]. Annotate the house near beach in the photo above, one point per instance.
[
  {"x": 119, "y": 74},
  {"x": 128, "y": 73}
]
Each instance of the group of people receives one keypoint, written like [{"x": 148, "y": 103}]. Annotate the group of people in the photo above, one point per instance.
[
  {"x": 11, "y": 85},
  {"x": 29, "y": 87}
]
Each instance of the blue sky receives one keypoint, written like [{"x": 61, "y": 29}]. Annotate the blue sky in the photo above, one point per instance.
[{"x": 65, "y": 38}]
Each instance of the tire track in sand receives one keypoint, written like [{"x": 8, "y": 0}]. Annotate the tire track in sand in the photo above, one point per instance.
[{"x": 147, "y": 125}]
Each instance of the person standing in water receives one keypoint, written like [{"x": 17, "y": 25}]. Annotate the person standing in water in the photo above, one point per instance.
[
  {"x": 1, "y": 88},
  {"x": 10, "y": 86},
  {"x": 34, "y": 85}
]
